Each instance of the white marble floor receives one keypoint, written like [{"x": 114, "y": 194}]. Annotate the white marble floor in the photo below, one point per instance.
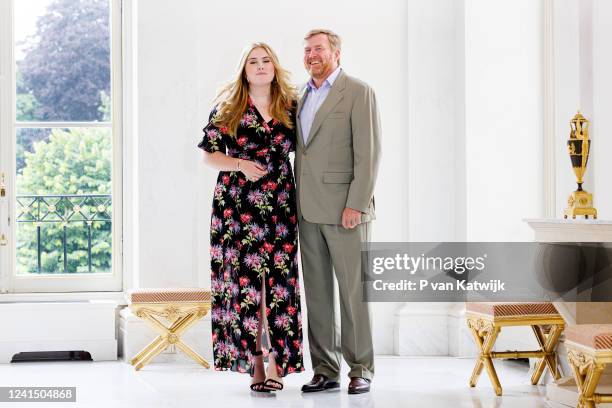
[{"x": 399, "y": 382}]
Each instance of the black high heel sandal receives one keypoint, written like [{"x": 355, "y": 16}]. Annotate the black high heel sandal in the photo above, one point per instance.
[
  {"x": 270, "y": 384},
  {"x": 259, "y": 386}
]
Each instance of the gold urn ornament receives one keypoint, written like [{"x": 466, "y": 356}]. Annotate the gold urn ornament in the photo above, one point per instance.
[{"x": 579, "y": 202}]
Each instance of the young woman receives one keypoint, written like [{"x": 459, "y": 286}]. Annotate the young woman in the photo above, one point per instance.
[{"x": 253, "y": 233}]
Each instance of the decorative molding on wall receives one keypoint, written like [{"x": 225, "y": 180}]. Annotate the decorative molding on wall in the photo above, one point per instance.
[{"x": 549, "y": 110}]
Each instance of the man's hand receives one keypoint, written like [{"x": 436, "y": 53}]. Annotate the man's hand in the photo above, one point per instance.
[{"x": 350, "y": 218}]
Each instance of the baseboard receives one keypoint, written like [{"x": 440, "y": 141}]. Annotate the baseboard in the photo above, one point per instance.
[{"x": 59, "y": 326}]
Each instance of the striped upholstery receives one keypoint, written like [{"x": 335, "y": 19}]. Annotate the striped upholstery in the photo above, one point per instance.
[
  {"x": 171, "y": 295},
  {"x": 595, "y": 336},
  {"x": 511, "y": 309}
]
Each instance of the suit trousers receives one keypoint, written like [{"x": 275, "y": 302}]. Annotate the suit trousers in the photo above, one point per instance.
[{"x": 326, "y": 250}]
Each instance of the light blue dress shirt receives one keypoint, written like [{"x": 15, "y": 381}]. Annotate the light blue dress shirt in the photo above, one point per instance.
[{"x": 314, "y": 99}]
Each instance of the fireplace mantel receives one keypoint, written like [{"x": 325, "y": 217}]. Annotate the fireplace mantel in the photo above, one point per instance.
[{"x": 578, "y": 230}]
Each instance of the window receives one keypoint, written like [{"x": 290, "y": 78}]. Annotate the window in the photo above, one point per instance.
[{"x": 61, "y": 145}]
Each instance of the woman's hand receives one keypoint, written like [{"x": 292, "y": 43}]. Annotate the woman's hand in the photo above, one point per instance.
[{"x": 252, "y": 170}]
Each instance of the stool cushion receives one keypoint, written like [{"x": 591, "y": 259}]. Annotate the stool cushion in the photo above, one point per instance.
[
  {"x": 511, "y": 309},
  {"x": 168, "y": 295},
  {"x": 595, "y": 336}
]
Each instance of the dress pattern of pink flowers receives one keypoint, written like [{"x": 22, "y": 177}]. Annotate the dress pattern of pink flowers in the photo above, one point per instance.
[{"x": 253, "y": 234}]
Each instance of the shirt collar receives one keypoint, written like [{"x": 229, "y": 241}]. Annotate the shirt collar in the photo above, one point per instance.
[{"x": 329, "y": 81}]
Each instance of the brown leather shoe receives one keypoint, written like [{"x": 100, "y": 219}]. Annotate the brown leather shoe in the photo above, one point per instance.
[
  {"x": 359, "y": 385},
  {"x": 320, "y": 383}
]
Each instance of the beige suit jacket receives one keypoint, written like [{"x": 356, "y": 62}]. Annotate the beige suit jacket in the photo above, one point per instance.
[{"x": 337, "y": 166}]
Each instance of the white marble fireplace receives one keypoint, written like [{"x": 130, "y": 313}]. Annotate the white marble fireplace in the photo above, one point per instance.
[{"x": 564, "y": 391}]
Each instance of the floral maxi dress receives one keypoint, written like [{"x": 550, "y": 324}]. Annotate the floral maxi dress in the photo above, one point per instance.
[{"x": 253, "y": 234}]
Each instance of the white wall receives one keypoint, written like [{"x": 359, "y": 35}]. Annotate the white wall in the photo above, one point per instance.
[
  {"x": 434, "y": 125},
  {"x": 475, "y": 139},
  {"x": 601, "y": 166},
  {"x": 583, "y": 63},
  {"x": 566, "y": 90},
  {"x": 504, "y": 118},
  {"x": 167, "y": 105},
  {"x": 436, "y": 155}
]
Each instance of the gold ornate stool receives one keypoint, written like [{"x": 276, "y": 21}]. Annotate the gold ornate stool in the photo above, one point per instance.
[
  {"x": 485, "y": 321},
  {"x": 179, "y": 308},
  {"x": 589, "y": 349}
]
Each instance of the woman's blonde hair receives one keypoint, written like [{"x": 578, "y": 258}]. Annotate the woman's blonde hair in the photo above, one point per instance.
[{"x": 233, "y": 98}]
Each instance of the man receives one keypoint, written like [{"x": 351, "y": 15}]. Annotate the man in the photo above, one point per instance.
[{"x": 337, "y": 157}]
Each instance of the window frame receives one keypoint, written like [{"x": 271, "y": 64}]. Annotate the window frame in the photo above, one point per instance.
[{"x": 10, "y": 282}]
